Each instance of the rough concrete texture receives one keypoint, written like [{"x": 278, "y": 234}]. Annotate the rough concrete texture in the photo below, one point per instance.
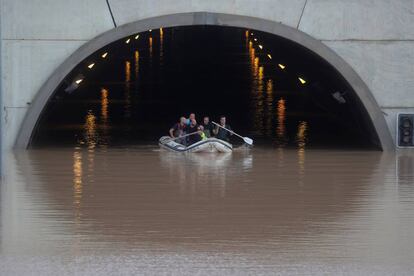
[
  {"x": 373, "y": 36},
  {"x": 287, "y": 12},
  {"x": 55, "y": 19},
  {"x": 27, "y": 64},
  {"x": 12, "y": 117},
  {"x": 359, "y": 19},
  {"x": 386, "y": 67}
]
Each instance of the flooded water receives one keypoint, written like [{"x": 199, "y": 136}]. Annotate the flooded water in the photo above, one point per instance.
[{"x": 139, "y": 210}]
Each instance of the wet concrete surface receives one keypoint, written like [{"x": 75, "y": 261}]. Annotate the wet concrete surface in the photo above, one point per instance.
[{"x": 139, "y": 210}]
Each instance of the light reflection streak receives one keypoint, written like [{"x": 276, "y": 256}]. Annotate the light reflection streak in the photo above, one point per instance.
[
  {"x": 257, "y": 73},
  {"x": 127, "y": 71},
  {"x": 253, "y": 63},
  {"x": 259, "y": 101},
  {"x": 281, "y": 122},
  {"x": 161, "y": 45},
  {"x": 268, "y": 107},
  {"x": 104, "y": 115},
  {"x": 127, "y": 108},
  {"x": 301, "y": 137},
  {"x": 77, "y": 180},
  {"x": 77, "y": 191},
  {"x": 256, "y": 69},
  {"x": 104, "y": 106},
  {"x": 161, "y": 49},
  {"x": 91, "y": 135},
  {"x": 301, "y": 134},
  {"x": 136, "y": 63},
  {"x": 150, "y": 46},
  {"x": 92, "y": 140}
]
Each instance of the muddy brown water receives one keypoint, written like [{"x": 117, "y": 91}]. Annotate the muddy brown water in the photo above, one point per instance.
[{"x": 97, "y": 211}]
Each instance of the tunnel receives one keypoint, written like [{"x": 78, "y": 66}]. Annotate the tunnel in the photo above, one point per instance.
[{"x": 132, "y": 90}]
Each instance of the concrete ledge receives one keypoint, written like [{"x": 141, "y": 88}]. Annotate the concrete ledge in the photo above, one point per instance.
[{"x": 205, "y": 18}]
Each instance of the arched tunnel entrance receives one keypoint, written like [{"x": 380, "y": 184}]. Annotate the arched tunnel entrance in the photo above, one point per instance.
[
  {"x": 273, "y": 82},
  {"x": 276, "y": 91}
]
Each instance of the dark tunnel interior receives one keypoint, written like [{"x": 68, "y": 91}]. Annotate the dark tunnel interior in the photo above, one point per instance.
[{"x": 271, "y": 89}]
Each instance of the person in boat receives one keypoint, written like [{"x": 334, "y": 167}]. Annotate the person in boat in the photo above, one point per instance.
[
  {"x": 222, "y": 133},
  {"x": 191, "y": 117},
  {"x": 192, "y": 128},
  {"x": 202, "y": 133},
  {"x": 207, "y": 127},
  {"x": 179, "y": 129}
]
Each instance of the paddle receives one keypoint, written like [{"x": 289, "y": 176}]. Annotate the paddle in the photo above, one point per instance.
[
  {"x": 185, "y": 135},
  {"x": 247, "y": 140}
]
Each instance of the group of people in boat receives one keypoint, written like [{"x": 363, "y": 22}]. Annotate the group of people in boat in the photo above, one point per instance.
[{"x": 194, "y": 132}]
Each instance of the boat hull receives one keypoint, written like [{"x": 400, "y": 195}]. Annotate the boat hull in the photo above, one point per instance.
[{"x": 208, "y": 145}]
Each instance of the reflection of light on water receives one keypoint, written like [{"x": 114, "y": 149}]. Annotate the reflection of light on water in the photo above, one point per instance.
[
  {"x": 257, "y": 73},
  {"x": 104, "y": 114},
  {"x": 301, "y": 140},
  {"x": 260, "y": 87},
  {"x": 161, "y": 61},
  {"x": 127, "y": 71},
  {"x": 127, "y": 89},
  {"x": 104, "y": 105},
  {"x": 259, "y": 101},
  {"x": 268, "y": 108},
  {"x": 150, "y": 46},
  {"x": 261, "y": 73},
  {"x": 269, "y": 87},
  {"x": 136, "y": 63},
  {"x": 281, "y": 124},
  {"x": 254, "y": 61},
  {"x": 77, "y": 181},
  {"x": 91, "y": 135},
  {"x": 91, "y": 164},
  {"x": 161, "y": 44},
  {"x": 256, "y": 67},
  {"x": 301, "y": 134},
  {"x": 252, "y": 56},
  {"x": 77, "y": 175}
]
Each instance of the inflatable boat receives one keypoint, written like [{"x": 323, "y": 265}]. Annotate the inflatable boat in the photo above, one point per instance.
[{"x": 207, "y": 145}]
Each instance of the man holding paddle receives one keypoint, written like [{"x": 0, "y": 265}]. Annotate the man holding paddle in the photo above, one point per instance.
[{"x": 223, "y": 131}]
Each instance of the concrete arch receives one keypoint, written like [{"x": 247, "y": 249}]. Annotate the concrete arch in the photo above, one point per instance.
[{"x": 206, "y": 18}]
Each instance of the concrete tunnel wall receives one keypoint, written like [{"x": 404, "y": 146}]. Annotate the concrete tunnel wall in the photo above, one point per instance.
[{"x": 375, "y": 37}]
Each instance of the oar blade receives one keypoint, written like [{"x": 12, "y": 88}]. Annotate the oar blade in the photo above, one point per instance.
[{"x": 248, "y": 141}]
